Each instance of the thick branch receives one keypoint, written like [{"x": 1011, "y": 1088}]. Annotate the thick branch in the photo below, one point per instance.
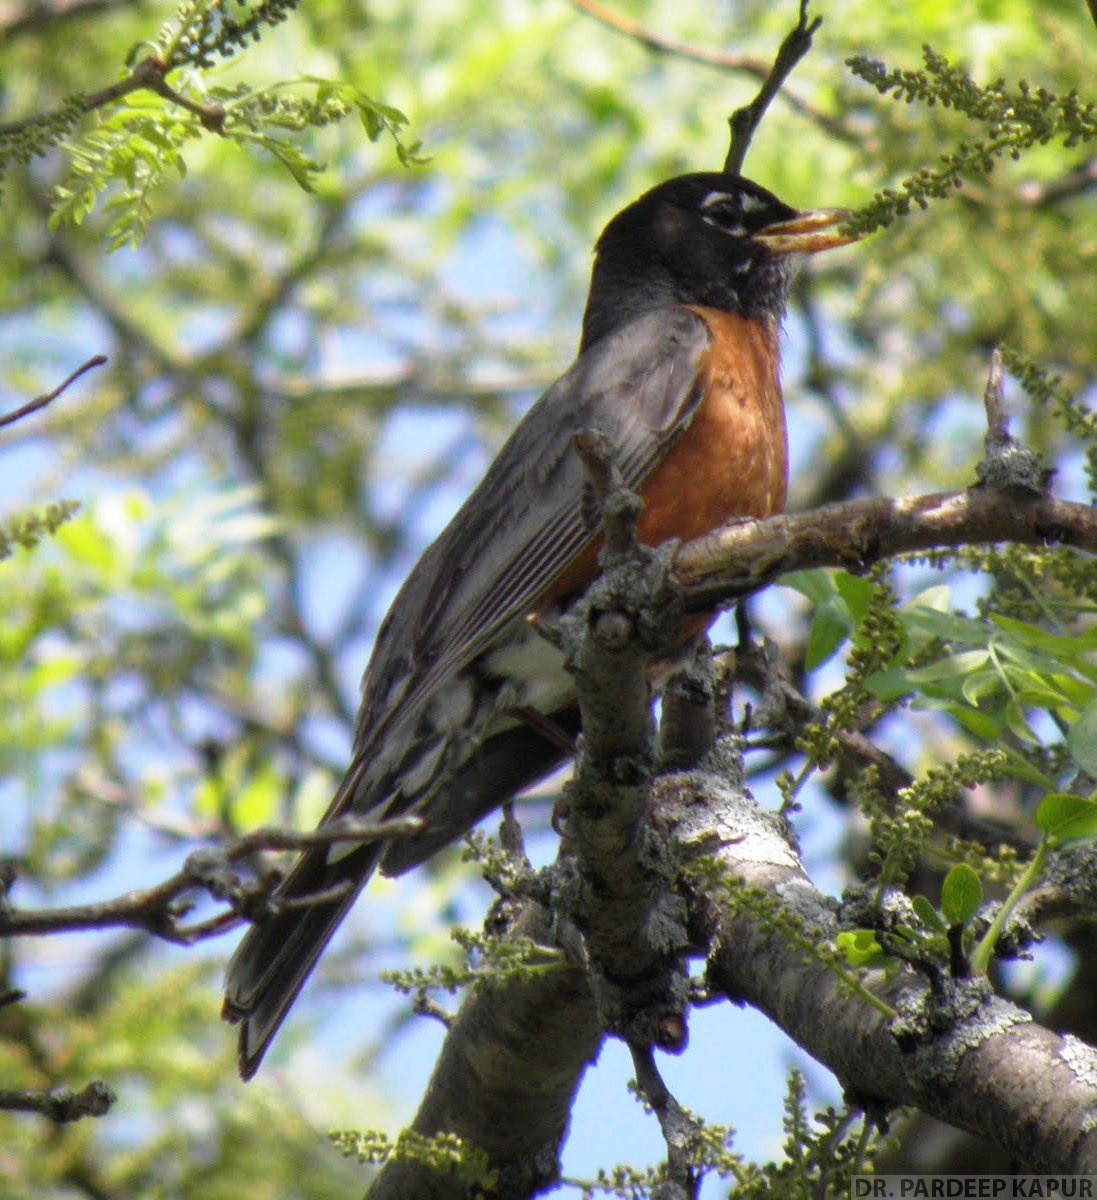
[
  {"x": 959, "y": 1053},
  {"x": 744, "y": 558},
  {"x": 623, "y": 900},
  {"x": 506, "y": 1079}
]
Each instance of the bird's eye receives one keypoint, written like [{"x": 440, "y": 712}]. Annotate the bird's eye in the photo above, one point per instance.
[{"x": 724, "y": 211}]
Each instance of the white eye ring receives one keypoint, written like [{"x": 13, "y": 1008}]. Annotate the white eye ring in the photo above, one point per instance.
[
  {"x": 733, "y": 204},
  {"x": 736, "y": 230}
]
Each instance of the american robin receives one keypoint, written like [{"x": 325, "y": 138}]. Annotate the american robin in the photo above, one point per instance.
[{"x": 464, "y": 704}]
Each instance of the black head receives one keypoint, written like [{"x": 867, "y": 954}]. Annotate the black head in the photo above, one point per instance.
[{"x": 712, "y": 239}]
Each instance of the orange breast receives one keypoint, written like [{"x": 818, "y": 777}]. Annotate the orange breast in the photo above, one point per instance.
[{"x": 731, "y": 461}]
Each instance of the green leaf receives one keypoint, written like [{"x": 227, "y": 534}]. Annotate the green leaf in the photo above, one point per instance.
[
  {"x": 979, "y": 724},
  {"x": 1064, "y": 817},
  {"x": 948, "y": 626},
  {"x": 954, "y": 669},
  {"x": 1082, "y": 739},
  {"x": 889, "y": 684},
  {"x": 979, "y": 685},
  {"x": 961, "y": 894},
  {"x": 1018, "y": 725},
  {"x": 855, "y": 591},
  {"x": 860, "y": 948},
  {"x": 927, "y": 914},
  {"x": 816, "y": 586},
  {"x": 1055, "y": 645},
  {"x": 829, "y": 629}
]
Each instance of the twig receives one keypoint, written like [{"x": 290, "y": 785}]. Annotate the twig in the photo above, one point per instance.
[
  {"x": 663, "y": 45},
  {"x": 425, "y": 1006},
  {"x": 158, "y": 910},
  {"x": 679, "y": 1129},
  {"x": 41, "y": 401},
  {"x": 744, "y": 121},
  {"x": 997, "y": 426},
  {"x": 719, "y": 59},
  {"x": 1040, "y": 193},
  {"x": 61, "y": 1105},
  {"x": 148, "y": 74},
  {"x": 37, "y": 15},
  {"x": 620, "y": 508}
]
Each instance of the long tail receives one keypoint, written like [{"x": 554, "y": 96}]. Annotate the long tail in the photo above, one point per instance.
[{"x": 275, "y": 958}]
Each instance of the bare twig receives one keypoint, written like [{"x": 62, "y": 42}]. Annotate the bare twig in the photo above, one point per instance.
[
  {"x": 1044, "y": 193},
  {"x": 664, "y": 45},
  {"x": 997, "y": 425},
  {"x": 744, "y": 121},
  {"x": 721, "y": 60},
  {"x": 41, "y": 401},
  {"x": 159, "y": 910},
  {"x": 620, "y": 508},
  {"x": 680, "y": 1130},
  {"x": 35, "y": 16}
]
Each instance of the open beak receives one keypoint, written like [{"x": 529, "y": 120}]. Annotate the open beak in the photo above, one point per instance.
[{"x": 807, "y": 232}]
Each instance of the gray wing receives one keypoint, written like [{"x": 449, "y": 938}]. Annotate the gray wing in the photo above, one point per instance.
[
  {"x": 525, "y": 522},
  {"x": 510, "y": 541}
]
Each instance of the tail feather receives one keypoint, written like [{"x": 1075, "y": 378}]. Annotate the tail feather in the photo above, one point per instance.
[{"x": 275, "y": 958}]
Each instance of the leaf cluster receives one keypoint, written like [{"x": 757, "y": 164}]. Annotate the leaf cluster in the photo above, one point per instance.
[
  {"x": 859, "y": 611},
  {"x": 446, "y": 1154},
  {"x": 489, "y": 961},
  {"x": 1013, "y": 119},
  {"x": 821, "y": 1153},
  {"x": 27, "y": 530},
  {"x": 204, "y": 31},
  {"x": 147, "y": 120}
]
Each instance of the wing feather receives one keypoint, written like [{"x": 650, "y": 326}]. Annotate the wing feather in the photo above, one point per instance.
[{"x": 524, "y": 524}]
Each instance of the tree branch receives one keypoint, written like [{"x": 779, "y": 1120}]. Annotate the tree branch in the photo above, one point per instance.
[
  {"x": 159, "y": 910},
  {"x": 60, "y": 1104},
  {"x": 41, "y": 401},
  {"x": 506, "y": 1078},
  {"x": 960, "y": 1053},
  {"x": 744, "y": 121},
  {"x": 659, "y": 44},
  {"x": 744, "y": 558},
  {"x": 720, "y": 59}
]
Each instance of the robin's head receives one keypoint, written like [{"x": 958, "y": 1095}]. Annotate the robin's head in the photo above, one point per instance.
[{"x": 711, "y": 239}]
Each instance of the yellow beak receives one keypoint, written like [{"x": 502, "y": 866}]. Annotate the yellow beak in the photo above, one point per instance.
[{"x": 807, "y": 232}]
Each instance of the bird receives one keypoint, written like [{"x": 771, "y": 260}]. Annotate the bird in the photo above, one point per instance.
[{"x": 464, "y": 703}]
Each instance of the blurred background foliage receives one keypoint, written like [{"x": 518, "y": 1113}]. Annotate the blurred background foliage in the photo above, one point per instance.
[{"x": 303, "y": 383}]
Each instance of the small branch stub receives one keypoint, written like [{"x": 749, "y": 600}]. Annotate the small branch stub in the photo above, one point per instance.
[{"x": 1007, "y": 466}]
